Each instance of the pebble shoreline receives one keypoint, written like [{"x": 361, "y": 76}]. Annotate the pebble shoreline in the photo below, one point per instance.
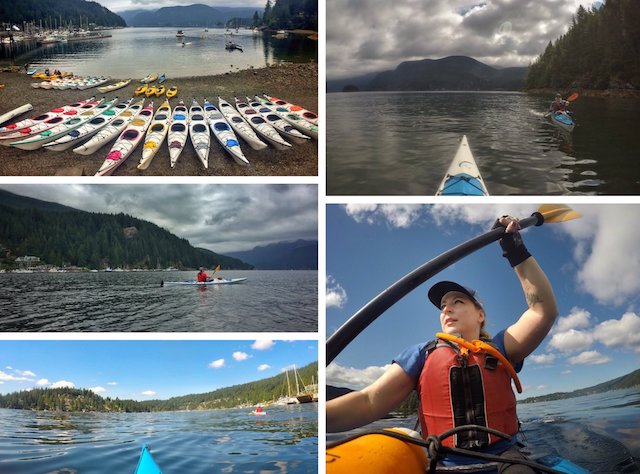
[{"x": 295, "y": 83}]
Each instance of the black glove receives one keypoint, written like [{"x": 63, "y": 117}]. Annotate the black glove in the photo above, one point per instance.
[{"x": 513, "y": 248}]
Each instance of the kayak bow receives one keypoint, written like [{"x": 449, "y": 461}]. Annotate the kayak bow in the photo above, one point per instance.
[
  {"x": 146, "y": 464},
  {"x": 463, "y": 176},
  {"x": 222, "y": 281}
]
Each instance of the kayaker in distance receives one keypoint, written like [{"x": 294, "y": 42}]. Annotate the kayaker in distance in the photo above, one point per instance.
[
  {"x": 450, "y": 378},
  {"x": 558, "y": 105},
  {"x": 202, "y": 276}
]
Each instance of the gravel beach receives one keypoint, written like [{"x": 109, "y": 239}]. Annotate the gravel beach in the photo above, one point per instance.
[{"x": 295, "y": 83}]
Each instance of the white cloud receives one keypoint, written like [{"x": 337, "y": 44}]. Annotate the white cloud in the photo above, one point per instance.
[
  {"x": 63, "y": 384},
  {"x": 566, "y": 372},
  {"x": 240, "y": 356},
  {"x": 98, "y": 390},
  {"x": 148, "y": 393},
  {"x": 353, "y": 378},
  {"x": 263, "y": 367},
  {"x": 42, "y": 382},
  {"x": 590, "y": 358},
  {"x": 25, "y": 373},
  {"x": 619, "y": 332},
  {"x": 576, "y": 319},
  {"x": 336, "y": 295},
  {"x": 263, "y": 345},
  {"x": 542, "y": 358},
  {"x": 217, "y": 364},
  {"x": 4, "y": 377},
  {"x": 571, "y": 341},
  {"x": 608, "y": 253},
  {"x": 112, "y": 383},
  {"x": 393, "y": 215}
]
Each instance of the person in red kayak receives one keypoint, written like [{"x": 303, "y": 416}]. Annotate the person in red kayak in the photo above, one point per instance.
[
  {"x": 202, "y": 276},
  {"x": 463, "y": 377},
  {"x": 258, "y": 409}
]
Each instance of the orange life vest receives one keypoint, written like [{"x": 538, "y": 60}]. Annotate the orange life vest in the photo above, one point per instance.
[{"x": 461, "y": 387}]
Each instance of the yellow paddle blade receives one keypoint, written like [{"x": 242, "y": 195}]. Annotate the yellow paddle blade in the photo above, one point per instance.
[{"x": 553, "y": 213}]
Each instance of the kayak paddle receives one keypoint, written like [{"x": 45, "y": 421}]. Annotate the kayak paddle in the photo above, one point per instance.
[
  {"x": 572, "y": 97},
  {"x": 547, "y": 213}
]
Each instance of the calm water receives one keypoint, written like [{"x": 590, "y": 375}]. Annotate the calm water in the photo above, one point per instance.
[
  {"x": 393, "y": 143},
  {"x": 599, "y": 432},
  {"x": 136, "y": 52},
  {"x": 279, "y": 301},
  {"x": 283, "y": 441}
]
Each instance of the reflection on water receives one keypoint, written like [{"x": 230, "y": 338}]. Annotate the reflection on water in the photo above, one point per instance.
[
  {"x": 398, "y": 143},
  {"x": 202, "y": 54},
  {"x": 286, "y": 440}
]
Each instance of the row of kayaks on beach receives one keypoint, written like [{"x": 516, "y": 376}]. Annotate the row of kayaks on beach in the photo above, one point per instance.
[
  {"x": 90, "y": 124},
  {"x": 150, "y": 90},
  {"x": 72, "y": 82}
]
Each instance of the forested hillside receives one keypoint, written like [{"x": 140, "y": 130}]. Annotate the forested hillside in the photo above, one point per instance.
[
  {"x": 71, "y": 399},
  {"x": 601, "y": 50},
  {"x": 67, "y": 237},
  {"x": 60, "y": 12}
]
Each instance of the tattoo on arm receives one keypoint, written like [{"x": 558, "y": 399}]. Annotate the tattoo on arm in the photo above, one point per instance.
[{"x": 533, "y": 299}]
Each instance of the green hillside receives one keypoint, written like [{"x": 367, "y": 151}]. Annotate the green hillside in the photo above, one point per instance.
[
  {"x": 71, "y": 399},
  {"x": 60, "y": 12},
  {"x": 63, "y": 236}
]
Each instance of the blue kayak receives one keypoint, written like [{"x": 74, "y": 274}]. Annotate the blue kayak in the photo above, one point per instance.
[
  {"x": 463, "y": 176},
  {"x": 562, "y": 120},
  {"x": 146, "y": 464}
]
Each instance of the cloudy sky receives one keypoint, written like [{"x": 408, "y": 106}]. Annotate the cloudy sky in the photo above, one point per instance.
[
  {"x": 171, "y": 368},
  {"x": 593, "y": 264},
  {"x": 374, "y": 35},
  {"x": 123, "y": 5},
  {"x": 219, "y": 217}
]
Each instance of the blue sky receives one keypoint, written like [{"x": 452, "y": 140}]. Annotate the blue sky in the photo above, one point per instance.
[
  {"x": 593, "y": 264},
  {"x": 144, "y": 370}
]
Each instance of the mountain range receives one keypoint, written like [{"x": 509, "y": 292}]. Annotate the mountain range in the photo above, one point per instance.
[
  {"x": 451, "y": 73},
  {"x": 298, "y": 255},
  {"x": 197, "y": 15}
]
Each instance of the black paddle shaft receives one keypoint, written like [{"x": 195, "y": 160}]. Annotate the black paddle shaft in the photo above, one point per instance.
[{"x": 378, "y": 305}]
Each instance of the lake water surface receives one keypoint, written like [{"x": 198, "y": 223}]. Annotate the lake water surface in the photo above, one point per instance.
[
  {"x": 401, "y": 143},
  {"x": 285, "y": 440},
  {"x": 269, "y": 300},
  {"x": 136, "y": 52},
  {"x": 601, "y": 432}
]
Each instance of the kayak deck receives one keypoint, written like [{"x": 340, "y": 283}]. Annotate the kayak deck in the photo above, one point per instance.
[
  {"x": 463, "y": 176},
  {"x": 223, "y": 281},
  {"x": 146, "y": 463}
]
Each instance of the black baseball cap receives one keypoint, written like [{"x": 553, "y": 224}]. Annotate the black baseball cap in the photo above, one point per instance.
[{"x": 437, "y": 292}]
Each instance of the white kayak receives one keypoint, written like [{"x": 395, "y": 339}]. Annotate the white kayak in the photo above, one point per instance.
[
  {"x": 242, "y": 128},
  {"x": 111, "y": 130},
  {"x": 15, "y": 112},
  {"x": 224, "y": 133},
  {"x": 28, "y": 127},
  {"x": 86, "y": 131},
  {"x": 283, "y": 127},
  {"x": 262, "y": 128},
  {"x": 296, "y": 109},
  {"x": 215, "y": 281},
  {"x": 463, "y": 176},
  {"x": 87, "y": 112},
  {"x": 178, "y": 132},
  {"x": 199, "y": 132},
  {"x": 127, "y": 141},
  {"x": 296, "y": 121},
  {"x": 115, "y": 86},
  {"x": 155, "y": 135}
]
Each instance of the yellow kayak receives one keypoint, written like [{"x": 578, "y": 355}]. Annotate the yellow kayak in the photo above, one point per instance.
[
  {"x": 151, "y": 90},
  {"x": 172, "y": 92},
  {"x": 159, "y": 91},
  {"x": 141, "y": 90}
]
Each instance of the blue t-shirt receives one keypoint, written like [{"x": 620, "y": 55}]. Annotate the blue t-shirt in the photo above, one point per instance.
[{"x": 412, "y": 360}]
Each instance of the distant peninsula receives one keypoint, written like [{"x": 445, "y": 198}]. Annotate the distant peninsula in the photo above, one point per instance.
[
  {"x": 626, "y": 381},
  {"x": 453, "y": 73},
  {"x": 297, "y": 255},
  {"x": 237, "y": 396}
]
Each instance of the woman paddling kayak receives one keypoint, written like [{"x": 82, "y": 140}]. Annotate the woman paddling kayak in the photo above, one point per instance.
[{"x": 460, "y": 382}]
